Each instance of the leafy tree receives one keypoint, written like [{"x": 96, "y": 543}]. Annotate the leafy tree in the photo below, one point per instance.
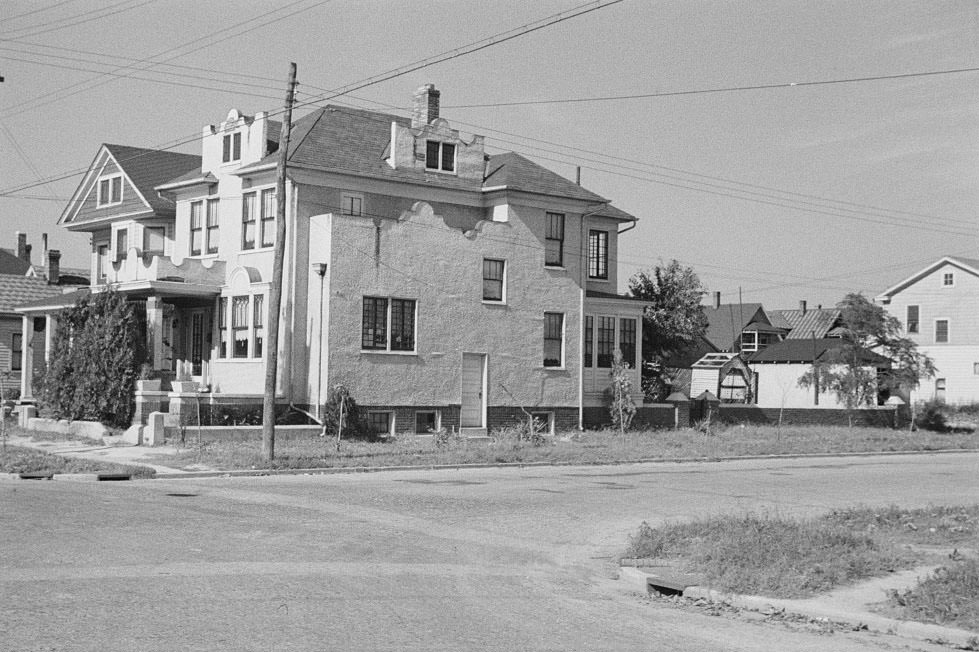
[
  {"x": 848, "y": 371},
  {"x": 672, "y": 323},
  {"x": 94, "y": 362}
]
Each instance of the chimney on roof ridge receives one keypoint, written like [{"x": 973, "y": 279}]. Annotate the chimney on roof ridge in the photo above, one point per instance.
[
  {"x": 44, "y": 246},
  {"x": 426, "y": 107},
  {"x": 802, "y": 306},
  {"x": 54, "y": 266},
  {"x": 22, "y": 247},
  {"x": 717, "y": 299},
  {"x": 27, "y": 253}
]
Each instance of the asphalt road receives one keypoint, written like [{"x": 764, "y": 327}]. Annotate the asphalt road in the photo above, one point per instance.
[{"x": 490, "y": 559}]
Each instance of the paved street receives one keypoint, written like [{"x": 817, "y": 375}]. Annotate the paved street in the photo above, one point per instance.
[{"x": 490, "y": 559}]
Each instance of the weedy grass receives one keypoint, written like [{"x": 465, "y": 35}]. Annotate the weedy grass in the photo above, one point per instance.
[
  {"x": 795, "y": 558},
  {"x": 18, "y": 459},
  {"x": 769, "y": 555},
  {"x": 588, "y": 447},
  {"x": 950, "y": 596}
]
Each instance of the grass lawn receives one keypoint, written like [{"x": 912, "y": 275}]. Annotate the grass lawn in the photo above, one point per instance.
[
  {"x": 796, "y": 558},
  {"x": 18, "y": 459},
  {"x": 586, "y": 448}
]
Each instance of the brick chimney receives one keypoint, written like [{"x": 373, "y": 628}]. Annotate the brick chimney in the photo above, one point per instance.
[
  {"x": 23, "y": 252},
  {"x": 426, "y": 108},
  {"x": 54, "y": 266},
  {"x": 802, "y": 306},
  {"x": 717, "y": 299}
]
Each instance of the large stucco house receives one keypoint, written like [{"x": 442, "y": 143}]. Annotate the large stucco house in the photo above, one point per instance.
[
  {"x": 939, "y": 309},
  {"x": 440, "y": 285}
]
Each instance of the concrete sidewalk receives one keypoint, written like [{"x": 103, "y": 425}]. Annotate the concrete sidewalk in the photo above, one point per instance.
[
  {"x": 852, "y": 606},
  {"x": 119, "y": 453}
]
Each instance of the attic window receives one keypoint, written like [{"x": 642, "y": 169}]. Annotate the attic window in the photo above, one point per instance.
[
  {"x": 948, "y": 279},
  {"x": 231, "y": 148},
  {"x": 110, "y": 191},
  {"x": 440, "y": 156}
]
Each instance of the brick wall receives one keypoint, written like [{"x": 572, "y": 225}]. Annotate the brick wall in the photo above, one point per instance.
[
  {"x": 884, "y": 417},
  {"x": 565, "y": 418}
]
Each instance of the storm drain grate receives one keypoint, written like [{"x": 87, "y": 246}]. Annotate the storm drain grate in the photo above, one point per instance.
[
  {"x": 114, "y": 477},
  {"x": 664, "y": 586}
]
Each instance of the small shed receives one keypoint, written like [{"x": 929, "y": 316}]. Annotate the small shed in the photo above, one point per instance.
[{"x": 725, "y": 375}]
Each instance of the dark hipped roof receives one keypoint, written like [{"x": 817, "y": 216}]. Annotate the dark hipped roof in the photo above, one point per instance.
[
  {"x": 356, "y": 141},
  {"x": 725, "y": 323},
  {"x": 802, "y": 351},
  {"x": 11, "y": 264},
  {"x": 148, "y": 168},
  {"x": 804, "y": 324},
  {"x": 17, "y": 290}
]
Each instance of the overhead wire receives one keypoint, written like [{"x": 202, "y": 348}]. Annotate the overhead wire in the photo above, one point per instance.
[
  {"x": 94, "y": 14},
  {"x": 39, "y": 10}
]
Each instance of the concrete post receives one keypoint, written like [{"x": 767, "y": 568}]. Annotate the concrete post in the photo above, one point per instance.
[
  {"x": 27, "y": 359},
  {"x": 154, "y": 330},
  {"x": 50, "y": 332}
]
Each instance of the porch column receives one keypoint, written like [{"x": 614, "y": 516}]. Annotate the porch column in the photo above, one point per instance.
[
  {"x": 50, "y": 331},
  {"x": 154, "y": 330},
  {"x": 27, "y": 359}
]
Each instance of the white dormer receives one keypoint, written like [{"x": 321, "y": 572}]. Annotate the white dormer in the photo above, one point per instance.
[{"x": 239, "y": 140}]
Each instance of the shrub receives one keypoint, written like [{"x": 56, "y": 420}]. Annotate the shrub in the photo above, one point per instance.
[
  {"x": 931, "y": 416},
  {"x": 94, "y": 362},
  {"x": 354, "y": 419},
  {"x": 621, "y": 406}
]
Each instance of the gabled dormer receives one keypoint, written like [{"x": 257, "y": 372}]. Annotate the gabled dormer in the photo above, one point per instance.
[
  {"x": 119, "y": 186},
  {"x": 431, "y": 145},
  {"x": 239, "y": 140}
]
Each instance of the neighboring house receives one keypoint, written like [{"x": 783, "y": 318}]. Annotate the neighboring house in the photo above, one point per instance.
[
  {"x": 21, "y": 282},
  {"x": 778, "y": 368},
  {"x": 740, "y": 327},
  {"x": 939, "y": 309},
  {"x": 440, "y": 285},
  {"x": 808, "y": 323}
]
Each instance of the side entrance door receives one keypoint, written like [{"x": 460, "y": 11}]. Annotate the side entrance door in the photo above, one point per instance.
[
  {"x": 473, "y": 390},
  {"x": 197, "y": 336}
]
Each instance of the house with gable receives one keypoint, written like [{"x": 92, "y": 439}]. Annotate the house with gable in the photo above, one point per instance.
[
  {"x": 442, "y": 286},
  {"x": 939, "y": 309}
]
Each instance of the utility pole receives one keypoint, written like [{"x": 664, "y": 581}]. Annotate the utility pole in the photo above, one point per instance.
[{"x": 275, "y": 291}]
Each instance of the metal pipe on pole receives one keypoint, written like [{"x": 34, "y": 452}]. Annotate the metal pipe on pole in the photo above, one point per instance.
[{"x": 275, "y": 290}]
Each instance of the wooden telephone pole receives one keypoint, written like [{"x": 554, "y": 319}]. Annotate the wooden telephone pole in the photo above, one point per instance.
[{"x": 275, "y": 291}]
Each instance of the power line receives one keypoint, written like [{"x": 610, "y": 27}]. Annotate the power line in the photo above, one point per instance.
[
  {"x": 39, "y": 10},
  {"x": 96, "y": 14},
  {"x": 724, "y": 89}
]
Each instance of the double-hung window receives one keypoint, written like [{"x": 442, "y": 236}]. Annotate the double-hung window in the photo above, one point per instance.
[
  {"x": 211, "y": 234},
  {"x": 258, "y": 324},
  {"x": 110, "y": 191},
  {"x": 553, "y": 339},
  {"x": 598, "y": 254},
  {"x": 627, "y": 340},
  {"x": 223, "y": 327},
  {"x": 154, "y": 238},
  {"x": 248, "y": 219},
  {"x": 554, "y": 240},
  {"x": 606, "y": 342},
  {"x": 268, "y": 217},
  {"x": 589, "y": 343},
  {"x": 911, "y": 325},
  {"x": 941, "y": 331},
  {"x": 440, "y": 156},
  {"x": 239, "y": 327},
  {"x": 122, "y": 244},
  {"x": 493, "y": 280},
  {"x": 16, "y": 350},
  {"x": 388, "y": 324},
  {"x": 104, "y": 261},
  {"x": 196, "y": 228},
  {"x": 231, "y": 147}
]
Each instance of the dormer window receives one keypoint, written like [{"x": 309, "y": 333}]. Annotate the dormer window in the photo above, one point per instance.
[
  {"x": 440, "y": 156},
  {"x": 110, "y": 191},
  {"x": 231, "y": 147}
]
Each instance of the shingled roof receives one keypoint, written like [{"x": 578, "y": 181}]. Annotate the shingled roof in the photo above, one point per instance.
[
  {"x": 148, "y": 168},
  {"x": 11, "y": 264},
  {"x": 805, "y": 351},
  {"x": 17, "y": 290},
  {"x": 357, "y": 141},
  {"x": 725, "y": 322}
]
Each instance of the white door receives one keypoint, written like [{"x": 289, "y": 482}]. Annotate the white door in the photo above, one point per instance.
[{"x": 473, "y": 394}]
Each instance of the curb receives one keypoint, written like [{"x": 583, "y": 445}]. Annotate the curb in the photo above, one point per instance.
[
  {"x": 69, "y": 477},
  {"x": 335, "y": 470},
  {"x": 962, "y": 639}
]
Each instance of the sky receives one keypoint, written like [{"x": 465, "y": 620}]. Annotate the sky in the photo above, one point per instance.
[{"x": 773, "y": 195}]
